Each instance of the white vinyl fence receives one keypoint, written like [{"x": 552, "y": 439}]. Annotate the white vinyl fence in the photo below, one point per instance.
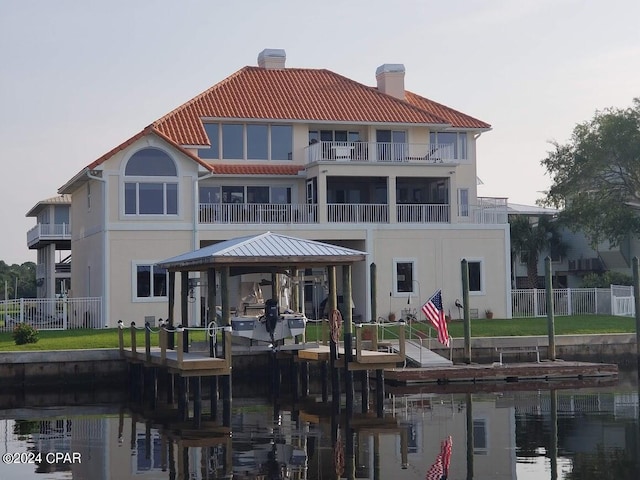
[
  {"x": 52, "y": 313},
  {"x": 616, "y": 300}
]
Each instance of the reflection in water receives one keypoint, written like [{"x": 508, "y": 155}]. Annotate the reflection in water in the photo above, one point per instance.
[{"x": 557, "y": 434}]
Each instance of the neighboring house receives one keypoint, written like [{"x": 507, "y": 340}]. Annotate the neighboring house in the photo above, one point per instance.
[
  {"x": 580, "y": 258},
  {"x": 303, "y": 152},
  {"x": 51, "y": 237}
]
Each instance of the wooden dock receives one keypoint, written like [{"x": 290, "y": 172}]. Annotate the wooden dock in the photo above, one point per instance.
[
  {"x": 176, "y": 361},
  {"x": 496, "y": 372}
]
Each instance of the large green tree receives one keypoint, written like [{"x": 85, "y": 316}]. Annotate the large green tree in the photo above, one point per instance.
[
  {"x": 22, "y": 277},
  {"x": 596, "y": 175},
  {"x": 532, "y": 236}
]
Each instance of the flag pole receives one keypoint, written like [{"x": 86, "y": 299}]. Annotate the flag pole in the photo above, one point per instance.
[{"x": 467, "y": 316}]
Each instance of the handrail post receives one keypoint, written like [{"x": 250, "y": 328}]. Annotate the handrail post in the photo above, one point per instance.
[
  {"x": 147, "y": 341},
  {"x": 133, "y": 339},
  {"x": 121, "y": 337},
  {"x": 402, "y": 341},
  {"x": 180, "y": 351},
  {"x": 162, "y": 340},
  {"x": 359, "y": 329}
]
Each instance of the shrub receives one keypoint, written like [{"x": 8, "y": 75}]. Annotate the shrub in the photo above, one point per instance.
[
  {"x": 24, "y": 333},
  {"x": 604, "y": 280}
]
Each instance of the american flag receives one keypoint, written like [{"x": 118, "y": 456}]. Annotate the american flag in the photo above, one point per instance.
[
  {"x": 435, "y": 314},
  {"x": 440, "y": 468}
]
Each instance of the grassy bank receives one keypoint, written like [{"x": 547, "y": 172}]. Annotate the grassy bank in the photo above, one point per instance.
[{"x": 574, "y": 325}]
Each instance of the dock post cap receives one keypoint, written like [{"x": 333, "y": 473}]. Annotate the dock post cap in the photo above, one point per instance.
[{"x": 120, "y": 324}]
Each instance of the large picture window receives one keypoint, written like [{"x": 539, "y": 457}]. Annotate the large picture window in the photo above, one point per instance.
[
  {"x": 238, "y": 141},
  {"x": 249, "y": 194},
  {"x": 151, "y": 282},
  {"x": 151, "y": 184},
  {"x": 453, "y": 143}
]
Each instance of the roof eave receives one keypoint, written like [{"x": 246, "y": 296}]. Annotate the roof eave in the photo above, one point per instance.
[
  {"x": 78, "y": 179},
  {"x": 286, "y": 260}
]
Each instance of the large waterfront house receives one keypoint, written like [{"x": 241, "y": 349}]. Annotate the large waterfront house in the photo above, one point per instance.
[{"x": 303, "y": 152}]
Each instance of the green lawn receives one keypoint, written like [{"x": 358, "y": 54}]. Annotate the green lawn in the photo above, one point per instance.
[
  {"x": 108, "y": 338},
  {"x": 579, "y": 324}
]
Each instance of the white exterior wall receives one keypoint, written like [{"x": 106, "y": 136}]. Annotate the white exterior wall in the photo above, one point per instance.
[
  {"x": 112, "y": 252},
  {"x": 87, "y": 242}
]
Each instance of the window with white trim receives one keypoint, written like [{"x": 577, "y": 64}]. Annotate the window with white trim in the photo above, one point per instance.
[
  {"x": 404, "y": 276},
  {"x": 452, "y": 145},
  {"x": 463, "y": 202},
  {"x": 150, "y": 184},
  {"x": 476, "y": 276},
  {"x": 480, "y": 436},
  {"x": 251, "y": 141},
  {"x": 150, "y": 282}
]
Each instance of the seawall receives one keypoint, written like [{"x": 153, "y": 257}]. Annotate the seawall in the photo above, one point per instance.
[
  {"x": 105, "y": 368},
  {"x": 618, "y": 348}
]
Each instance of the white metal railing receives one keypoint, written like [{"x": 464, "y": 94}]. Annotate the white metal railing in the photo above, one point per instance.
[
  {"x": 52, "y": 313},
  {"x": 382, "y": 152},
  {"x": 423, "y": 213},
  {"x": 488, "y": 211},
  {"x": 257, "y": 213},
  {"x": 572, "y": 301},
  {"x": 358, "y": 213},
  {"x": 622, "y": 300},
  {"x": 49, "y": 231}
]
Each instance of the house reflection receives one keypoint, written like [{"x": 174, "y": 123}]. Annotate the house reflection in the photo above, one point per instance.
[{"x": 493, "y": 435}]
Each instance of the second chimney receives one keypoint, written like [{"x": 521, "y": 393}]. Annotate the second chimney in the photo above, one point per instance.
[
  {"x": 272, "y": 58},
  {"x": 390, "y": 77}
]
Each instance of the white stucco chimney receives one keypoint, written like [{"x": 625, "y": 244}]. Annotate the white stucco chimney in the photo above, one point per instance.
[
  {"x": 272, "y": 58},
  {"x": 390, "y": 77}
]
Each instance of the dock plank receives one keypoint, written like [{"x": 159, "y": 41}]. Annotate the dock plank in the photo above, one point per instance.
[{"x": 495, "y": 372}]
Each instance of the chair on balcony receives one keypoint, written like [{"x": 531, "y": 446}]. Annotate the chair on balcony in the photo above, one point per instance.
[{"x": 433, "y": 155}]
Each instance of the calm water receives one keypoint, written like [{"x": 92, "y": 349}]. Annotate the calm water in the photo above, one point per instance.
[{"x": 518, "y": 433}]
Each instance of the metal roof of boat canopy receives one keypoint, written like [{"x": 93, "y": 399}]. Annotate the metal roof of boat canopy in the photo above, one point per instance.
[
  {"x": 266, "y": 249},
  {"x": 258, "y": 253}
]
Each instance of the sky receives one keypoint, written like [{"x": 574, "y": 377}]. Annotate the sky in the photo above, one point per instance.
[{"x": 78, "y": 78}]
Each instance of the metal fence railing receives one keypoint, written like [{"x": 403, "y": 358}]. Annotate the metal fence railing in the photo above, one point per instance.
[
  {"x": 52, "y": 313},
  {"x": 616, "y": 300}
]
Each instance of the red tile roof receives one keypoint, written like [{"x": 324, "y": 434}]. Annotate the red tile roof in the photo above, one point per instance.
[
  {"x": 146, "y": 131},
  {"x": 305, "y": 95},
  {"x": 454, "y": 117},
  {"x": 257, "y": 169},
  {"x": 291, "y": 94}
]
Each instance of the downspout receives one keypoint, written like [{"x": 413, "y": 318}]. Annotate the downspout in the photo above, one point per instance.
[
  {"x": 196, "y": 207},
  {"x": 105, "y": 281},
  {"x": 195, "y": 313}
]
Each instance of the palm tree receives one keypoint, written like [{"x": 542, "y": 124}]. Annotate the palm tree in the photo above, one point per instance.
[{"x": 530, "y": 237}]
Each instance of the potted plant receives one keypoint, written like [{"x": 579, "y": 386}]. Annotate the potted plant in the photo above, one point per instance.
[
  {"x": 392, "y": 317},
  {"x": 488, "y": 313}
]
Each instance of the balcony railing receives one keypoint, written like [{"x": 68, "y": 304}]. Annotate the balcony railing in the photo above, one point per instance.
[
  {"x": 489, "y": 211},
  {"x": 423, "y": 213},
  {"x": 382, "y": 152},
  {"x": 48, "y": 232},
  {"x": 257, "y": 213},
  {"x": 357, "y": 213}
]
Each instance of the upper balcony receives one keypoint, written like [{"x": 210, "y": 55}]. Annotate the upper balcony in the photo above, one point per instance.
[
  {"x": 383, "y": 152},
  {"x": 46, "y": 233},
  {"x": 488, "y": 211}
]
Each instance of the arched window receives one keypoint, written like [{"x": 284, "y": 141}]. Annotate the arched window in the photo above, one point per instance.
[{"x": 150, "y": 196}]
